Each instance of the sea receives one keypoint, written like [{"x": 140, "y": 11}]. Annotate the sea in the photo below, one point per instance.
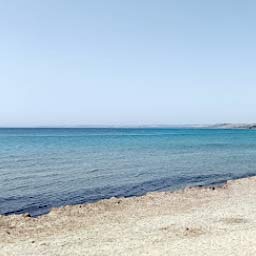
[{"x": 45, "y": 168}]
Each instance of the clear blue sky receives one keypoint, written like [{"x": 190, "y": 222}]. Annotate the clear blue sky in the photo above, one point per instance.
[{"x": 127, "y": 62}]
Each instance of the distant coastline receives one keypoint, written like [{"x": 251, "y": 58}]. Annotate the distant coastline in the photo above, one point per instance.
[{"x": 233, "y": 126}]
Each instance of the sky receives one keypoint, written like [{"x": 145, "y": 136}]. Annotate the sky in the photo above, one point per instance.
[{"x": 68, "y": 63}]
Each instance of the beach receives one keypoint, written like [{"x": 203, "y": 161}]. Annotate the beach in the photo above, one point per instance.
[{"x": 194, "y": 221}]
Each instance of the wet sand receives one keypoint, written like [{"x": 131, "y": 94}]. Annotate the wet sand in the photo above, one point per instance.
[{"x": 195, "y": 221}]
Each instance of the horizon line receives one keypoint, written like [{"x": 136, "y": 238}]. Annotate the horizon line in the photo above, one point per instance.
[{"x": 197, "y": 125}]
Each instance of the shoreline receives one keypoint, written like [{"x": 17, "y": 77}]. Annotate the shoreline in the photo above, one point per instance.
[
  {"x": 193, "y": 221},
  {"x": 216, "y": 183}
]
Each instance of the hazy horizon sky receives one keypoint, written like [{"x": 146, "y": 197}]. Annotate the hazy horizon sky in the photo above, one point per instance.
[{"x": 127, "y": 62}]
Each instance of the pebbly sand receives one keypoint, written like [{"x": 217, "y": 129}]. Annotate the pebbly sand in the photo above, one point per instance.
[{"x": 195, "y": 221}]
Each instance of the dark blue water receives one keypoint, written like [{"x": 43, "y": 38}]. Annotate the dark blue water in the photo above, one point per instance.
[{"x": 44, "y": 168}]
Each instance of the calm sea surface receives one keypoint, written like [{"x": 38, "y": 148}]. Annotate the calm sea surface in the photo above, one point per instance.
[{"x": 44, "y": 168}]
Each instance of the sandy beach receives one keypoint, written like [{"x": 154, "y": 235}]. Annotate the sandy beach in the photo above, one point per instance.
[{"x": 194, "y": 221}]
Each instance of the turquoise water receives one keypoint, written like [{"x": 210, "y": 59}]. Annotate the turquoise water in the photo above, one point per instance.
[{"x": 44, "y": 168}]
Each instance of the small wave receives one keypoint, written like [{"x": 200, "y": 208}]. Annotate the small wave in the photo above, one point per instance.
[{"x": 93, "y": 171}]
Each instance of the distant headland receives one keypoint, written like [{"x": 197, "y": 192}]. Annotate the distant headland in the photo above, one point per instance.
[{"x": 233, "y": 126}]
